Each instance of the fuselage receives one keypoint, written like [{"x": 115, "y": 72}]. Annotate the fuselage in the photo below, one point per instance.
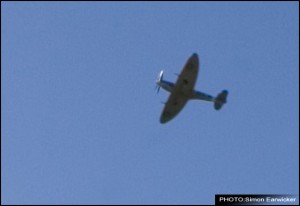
[{"x": 168, "y": 86}]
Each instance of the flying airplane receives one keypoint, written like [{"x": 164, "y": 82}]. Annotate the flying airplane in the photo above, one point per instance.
[{"x": 183, "y": 90}]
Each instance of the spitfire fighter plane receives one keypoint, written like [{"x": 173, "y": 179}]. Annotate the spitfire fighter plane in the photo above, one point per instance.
[{"x": 183, "y": 90}]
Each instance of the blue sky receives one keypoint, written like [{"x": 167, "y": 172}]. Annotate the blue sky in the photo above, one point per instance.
[{"x": 80, "y": 115}]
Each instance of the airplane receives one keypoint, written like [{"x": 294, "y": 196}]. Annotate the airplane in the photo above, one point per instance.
[{"x": 183, "y": 90}]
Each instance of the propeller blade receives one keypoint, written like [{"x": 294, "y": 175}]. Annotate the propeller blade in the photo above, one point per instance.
[
  {"x": 157, "y": 88},
  {"x": 161, "y": 75},
  {"x": 158, "y": 81}
]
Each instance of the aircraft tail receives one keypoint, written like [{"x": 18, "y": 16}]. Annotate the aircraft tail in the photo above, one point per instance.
[{"x": 220, "y": 100}]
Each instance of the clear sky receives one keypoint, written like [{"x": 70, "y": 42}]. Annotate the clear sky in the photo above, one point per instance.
[{"x": 80, "y": 114}]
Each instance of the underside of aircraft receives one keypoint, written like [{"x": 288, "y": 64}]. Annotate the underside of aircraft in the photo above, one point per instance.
[{"x": 183, "y": 90}]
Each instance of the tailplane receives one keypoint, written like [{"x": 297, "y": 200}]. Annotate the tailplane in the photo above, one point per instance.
[{"x": 220, "y": 100}]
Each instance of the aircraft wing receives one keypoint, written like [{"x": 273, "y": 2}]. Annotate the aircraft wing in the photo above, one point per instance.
[
  {"x": 182, "y": 90},
  {"x": 188, "y": 76},
  {"x": 173, "y": 106}
]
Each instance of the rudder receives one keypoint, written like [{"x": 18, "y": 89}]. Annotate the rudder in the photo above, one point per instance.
[{"x": 220, "y": 100}]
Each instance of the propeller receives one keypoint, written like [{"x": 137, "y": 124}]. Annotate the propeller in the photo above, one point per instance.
[
  {"x": 160, "y": 77},
  {"x": 157, "y": 88}
]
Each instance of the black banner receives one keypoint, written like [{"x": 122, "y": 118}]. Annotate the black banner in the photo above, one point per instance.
[{"x": 243, "y": 199}]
